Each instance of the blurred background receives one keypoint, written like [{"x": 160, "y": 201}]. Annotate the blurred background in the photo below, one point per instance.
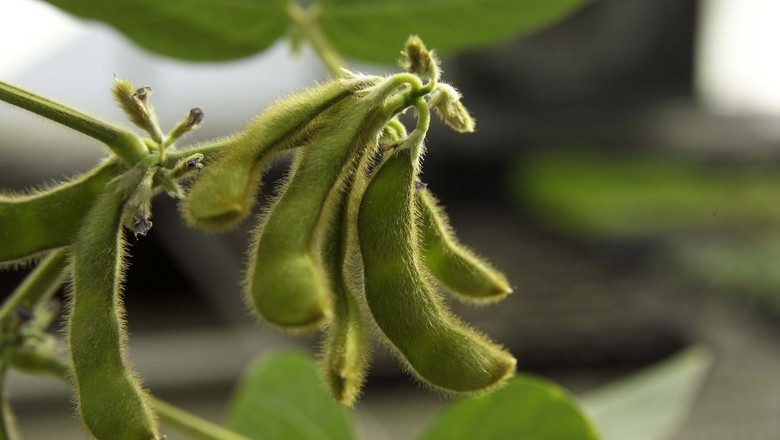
[{"x": 625, "y": 175}]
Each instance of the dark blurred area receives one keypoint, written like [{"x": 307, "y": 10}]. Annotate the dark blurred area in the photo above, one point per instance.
[{"x": 632, "y": 219}]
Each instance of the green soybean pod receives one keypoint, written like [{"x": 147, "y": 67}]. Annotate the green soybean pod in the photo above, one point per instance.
[
  {"x": 285, "y": 278},
  {"x": 111, "y": 400},
  {"x": 442, "y": 351},
  {"x": 455, "y": 266},
  {"x": 39, "y": 221},
  {"x": 226, "y": 190},
  {"x": 346, "y": 349}
]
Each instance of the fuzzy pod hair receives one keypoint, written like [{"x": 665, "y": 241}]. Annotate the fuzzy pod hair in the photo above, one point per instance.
[
  {"x": 437, "y": 347},
  {"x": 226, "y": 191},
  {"x": 346, "y": 346},
  {"x": 465, "y": 274},
  {"x": 47, "y": 219},
  {"x": 285, "y": 280},
  {"x": 111, "y": 400}
]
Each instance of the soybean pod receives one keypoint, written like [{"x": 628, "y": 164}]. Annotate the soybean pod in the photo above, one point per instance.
[
  {"x": 346, "y": 349},
  {"x": 226, "y": 191},
  {"x": 441, "y": 350},
  {"x": 111, "y": 401},
  {"x": 285, "y": 280},
  {"x": 462, "y": 272},
  {"x": 34, "y": 223}
]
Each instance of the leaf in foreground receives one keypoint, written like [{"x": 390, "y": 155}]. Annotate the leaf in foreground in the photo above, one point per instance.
[
  {"x": 190, "y": 29},
  {"x": 371, "y": 29},
  {"x": 652, "y": 404},
  {"x": 526, "y": 408},
  {"x": 283, "y": 397}
]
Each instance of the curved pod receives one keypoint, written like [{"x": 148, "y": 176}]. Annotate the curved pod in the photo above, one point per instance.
[
  {"x": 111, "y": 400},
  {"x": 346, "y": 349},
  {"x": 226, "y": 191},
  {"x": 30, "y": 224},
  {"x": 285, "y": 280},
  {"x": 463, "y": 273},
  {"x": 438, "y": 348}
]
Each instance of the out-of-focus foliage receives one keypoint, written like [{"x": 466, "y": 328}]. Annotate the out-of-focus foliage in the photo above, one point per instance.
[
  {"x": 526, "y": 408},
  {"x": 652, "y": 404},
  {"x": 283, "y": 397},
  {"x": 615, "y": 196},
  {"x": 365, "y": 29},
  {"x": 371, "y": 29},
  {"x": 190, "y": 29}
]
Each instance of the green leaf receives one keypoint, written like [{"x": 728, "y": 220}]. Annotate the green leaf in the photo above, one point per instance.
[
  {"x": 374, "y": 30},
  {"x": 371, "y": 30},
  {"x": 527, "y": 408},
  {"x": 650, "y": 405},
  {"x": 618, "y": 195},
  {"x": 190, "y": 29},
  {"x": 283, "y": 397}
]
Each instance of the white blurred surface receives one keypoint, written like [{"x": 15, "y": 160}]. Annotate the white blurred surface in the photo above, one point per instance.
[
  {"x": 738, "y": 65},
  {"x": 74, "y": 61}
]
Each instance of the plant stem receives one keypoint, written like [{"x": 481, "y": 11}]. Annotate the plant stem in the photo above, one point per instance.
[
  {"x": 123, "y": 143},
  {"x": 7, "y": 429},
  {"x": 39, "y": 285},
  {"x": 169, "y": 414},
  {"x": 306, "y": 20},
  {"x": 208, "y": 150},
  {"x": 190, "y": 424}
]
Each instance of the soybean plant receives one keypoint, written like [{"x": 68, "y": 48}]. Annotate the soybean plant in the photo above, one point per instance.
[{"x": 353, "y": 244}]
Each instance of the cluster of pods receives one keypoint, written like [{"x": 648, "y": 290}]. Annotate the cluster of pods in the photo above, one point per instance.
[{"x": 353, "y": 242}]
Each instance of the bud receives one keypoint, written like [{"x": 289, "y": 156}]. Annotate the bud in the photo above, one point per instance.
[
  {"x": 417, "y": 59},
  {"x": 136, "y": 105},
  {"x": 190, "y": 122},
  {"x": 445, "y": 102}
]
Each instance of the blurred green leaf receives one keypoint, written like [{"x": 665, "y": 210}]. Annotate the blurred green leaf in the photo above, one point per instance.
[
  {"x": 652, "y": 404},
  {"x": 190, "y": 29},
  {"x": 527, "y": 408},
  {"x": 613, "y": 195},
  {"x": 374, "y": 30},
  {"x": 283, "y": 397}
]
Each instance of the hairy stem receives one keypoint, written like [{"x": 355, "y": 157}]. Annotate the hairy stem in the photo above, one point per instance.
[
  {"x": 39, "y": 285},
  {"x": 208, "y": 150},
  {"x": 123, "y": 143},
  {"x": 7, "y": 430},
  {"x": 190, "y": 424},
  {"x": 306, "y": 20},
  {"x": 172, "y": 416}
]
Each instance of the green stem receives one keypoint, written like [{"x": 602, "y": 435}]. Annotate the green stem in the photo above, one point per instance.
[
  {"x": 123, "y": 143},
  {"x": 39, "y": 285},
  {"x": 306, "y": 20},
  {"x": 7, "y": 430},
  {"x": 190, "y": 424},
  {"x": 423, "y": 116},
  {"x": 208, "y": 150},
  {"x": 174, "y": 417}
]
